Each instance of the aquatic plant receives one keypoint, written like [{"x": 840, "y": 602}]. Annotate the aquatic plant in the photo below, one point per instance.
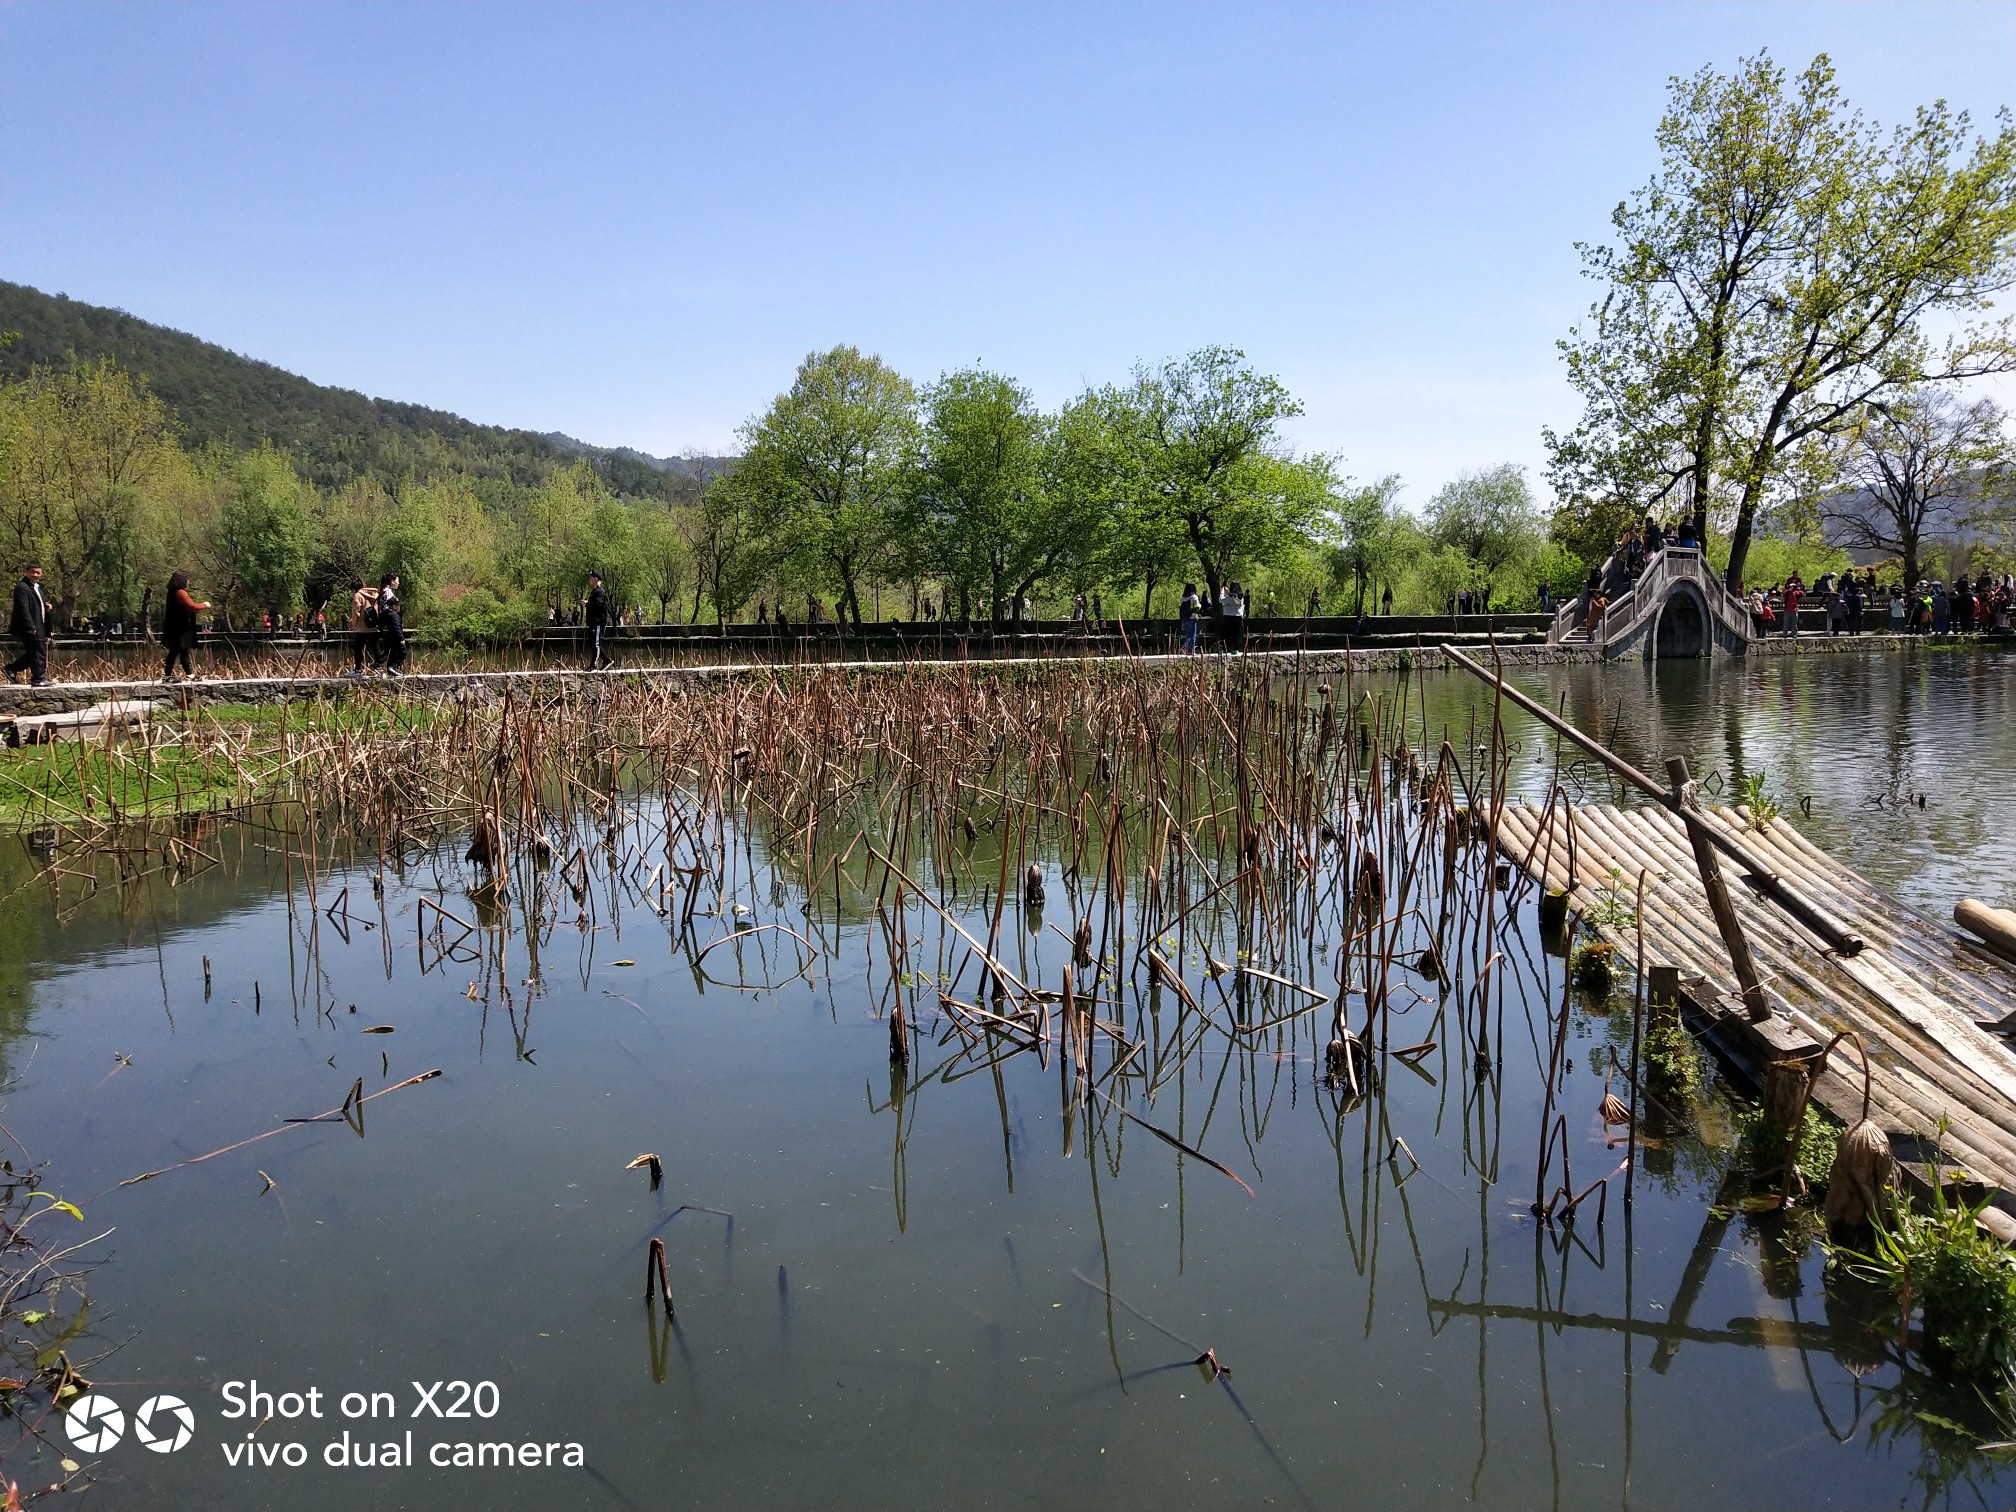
[
  {"x": 1671, "y": 1056},
  {"x": 1762, "y": 1153},
  {"x": 1612, "y": 906},
  {"x": 1591, "y": 968},
  {"x": 1760, "y": 807},
  {"x": 1936, "y": 1259}
]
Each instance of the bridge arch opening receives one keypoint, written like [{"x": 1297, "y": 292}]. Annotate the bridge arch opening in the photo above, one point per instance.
[{"x": 1683, "y": 626}]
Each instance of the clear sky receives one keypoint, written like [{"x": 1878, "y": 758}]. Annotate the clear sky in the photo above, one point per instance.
[{"x": 629, "y": 222}]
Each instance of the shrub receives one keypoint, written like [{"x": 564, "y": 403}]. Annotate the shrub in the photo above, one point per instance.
[{"x": 479, "y": 618}]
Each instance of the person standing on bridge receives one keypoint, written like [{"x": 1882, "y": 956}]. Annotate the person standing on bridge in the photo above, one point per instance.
[
  {"x": 363, "y": 625},
  {"x": 178, "y": 626},
  {"x": 29, "y": 624},
  {"x": 595, "y": 614},
  {"x": 1186, "y": 616},
  {"x": 391, "y": 627},
  {"x": 1232, "y": 610}
]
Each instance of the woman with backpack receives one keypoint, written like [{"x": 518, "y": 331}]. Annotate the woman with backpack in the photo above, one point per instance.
[{"x": 178, "y": 626}]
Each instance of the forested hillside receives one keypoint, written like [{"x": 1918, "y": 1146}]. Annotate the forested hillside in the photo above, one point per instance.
[{"x": 336, "y": 436}]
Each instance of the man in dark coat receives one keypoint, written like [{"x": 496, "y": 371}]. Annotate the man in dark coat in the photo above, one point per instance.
[
  {"x": 595, "y": 614},
  {"x": 29, "y": 624},
  {"x": 391, "y": 627}
]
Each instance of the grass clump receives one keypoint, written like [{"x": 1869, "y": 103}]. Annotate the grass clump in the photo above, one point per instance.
[
  {"x": 1962, "y": 1283},
  {"x": 1612, "y": 905},
  {"x": 1760, "y": 806}
]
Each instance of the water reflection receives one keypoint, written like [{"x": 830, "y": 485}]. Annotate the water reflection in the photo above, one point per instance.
[{"x": 895, "y": 1285}]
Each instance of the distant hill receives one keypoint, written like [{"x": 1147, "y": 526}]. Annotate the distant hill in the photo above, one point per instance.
[{"x": 335, "y": 434}]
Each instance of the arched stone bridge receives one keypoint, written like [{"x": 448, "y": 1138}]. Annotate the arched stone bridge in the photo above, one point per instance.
[{"x": 1678, "y": 607}]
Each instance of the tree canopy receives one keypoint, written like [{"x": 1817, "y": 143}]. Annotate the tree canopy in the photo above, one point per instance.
[{"x": 1787, "y": 267}]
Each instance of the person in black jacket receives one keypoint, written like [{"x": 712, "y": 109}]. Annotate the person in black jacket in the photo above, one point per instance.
[
  {"x": 178, "y": 626},
  {"x": 595, "y": 614},
  {"x": 29, "y": 624},
  {"x": 391, "y": 626}
]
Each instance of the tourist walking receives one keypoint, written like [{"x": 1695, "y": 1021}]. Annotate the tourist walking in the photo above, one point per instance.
[
  {"x": 363, "y": 626},
  {"x": 1232, "y": 608},
  {"x": 29, "y": 624},
  {"x": 391, "y": 627},
  {"x": 1794, "y": 591},
  {"x": 595, "y": 614},
  {"x": 178, "y": 626},
  {"x": 1186, "y": 616}
]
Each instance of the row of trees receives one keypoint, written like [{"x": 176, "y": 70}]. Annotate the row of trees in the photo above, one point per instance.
[
  {"x": 855, "y": 486},
  {"x": 1786, "y": 311},
  {"x": 96, "y": 485}
]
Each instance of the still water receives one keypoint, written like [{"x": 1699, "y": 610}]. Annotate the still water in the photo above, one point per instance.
[{"x": 915, "y": 1292}]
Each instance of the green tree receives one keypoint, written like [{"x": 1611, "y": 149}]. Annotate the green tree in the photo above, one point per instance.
[
  {"x": 1785, "y": 269},
  {"x": 265, "y": 533},
  {"x": 827, "y": 467},
  {"x": 663, "y": 559},
  {"x": 976, "y": 487},
  {"x": 726, "y": 542},
  {"x": 353, "y": 520},
  {"x": 83, "y": 449},
  {"x": 604, "y": 540},
  {"x": 1490, "y": 517},
  {"x": 1205, "y": 429},
  {"x": 1356, "y": 532},
  {"x": 413, "y": 544}
]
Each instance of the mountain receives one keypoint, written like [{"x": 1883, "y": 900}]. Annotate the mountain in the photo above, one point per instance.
[{"x": 335, "y": 435}]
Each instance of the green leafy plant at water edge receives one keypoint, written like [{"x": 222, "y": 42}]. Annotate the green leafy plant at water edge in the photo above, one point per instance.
[
  {"x": 1672, "y": 1056},
  {"x": 1764, "y": 1156},
  {"x": 1760, "y": 805},
  {"x": 1613, "y": 905},
  {"x": 1961, "y": 1280},
  {"x": 1590, "y": 968}
]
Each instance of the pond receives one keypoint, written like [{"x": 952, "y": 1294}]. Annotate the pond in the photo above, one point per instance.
[{"x": 986, "y": 1279}]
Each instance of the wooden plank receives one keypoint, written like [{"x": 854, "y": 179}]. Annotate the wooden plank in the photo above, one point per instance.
[{"x": 1938, "y": 1079}]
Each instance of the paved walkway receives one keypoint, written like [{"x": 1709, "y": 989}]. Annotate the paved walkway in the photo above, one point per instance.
[
  {"x": 421, "y": 684},
  {"x": 64, "y": 696}
]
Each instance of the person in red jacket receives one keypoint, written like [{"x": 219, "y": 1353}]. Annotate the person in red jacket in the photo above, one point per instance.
[{"x": 1794, "y": 591}]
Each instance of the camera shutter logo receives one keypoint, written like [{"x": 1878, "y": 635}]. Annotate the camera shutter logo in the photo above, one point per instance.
[
  {"x": 95, "y": 1423},
  {"x": 164, "y": 1423}
]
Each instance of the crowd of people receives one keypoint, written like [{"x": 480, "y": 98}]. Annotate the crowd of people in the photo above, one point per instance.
[
  {"x": 1851, "y": 603},
  {"x": 1629, "y": 557}
]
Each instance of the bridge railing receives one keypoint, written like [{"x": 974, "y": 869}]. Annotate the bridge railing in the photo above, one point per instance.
[{"x": 1645, "y": 598}]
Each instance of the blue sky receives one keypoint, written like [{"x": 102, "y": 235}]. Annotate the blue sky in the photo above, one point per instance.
[{"x": 629, "y": 222}]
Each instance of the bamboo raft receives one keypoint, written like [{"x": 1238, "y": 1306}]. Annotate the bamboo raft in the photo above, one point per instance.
[{"x": 1928, "y": 1003}]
